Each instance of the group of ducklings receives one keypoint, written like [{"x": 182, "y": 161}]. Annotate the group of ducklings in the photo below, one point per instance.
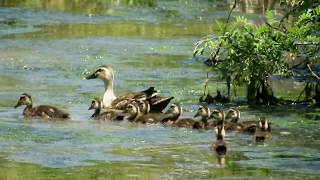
[{"x": 146, "y": 107}]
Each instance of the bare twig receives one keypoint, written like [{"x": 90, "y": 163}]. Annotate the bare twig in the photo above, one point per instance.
[
  {"x": 312, "y": 72},
  {"x": 224, "y": 30}
]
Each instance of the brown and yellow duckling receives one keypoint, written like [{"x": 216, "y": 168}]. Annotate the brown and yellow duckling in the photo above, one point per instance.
[
  {"x": 263, "y": 131},
  {"x": 204, "y": 112},
  {"x": 101, "y": 113},
  {"x": 138, "y": 112},
  {"x": 173, "y": 119},
  {"x": 106, "y": 74},
  {"x": 41, "y": 111},
  {"x": 220, "y": 146},
  {"x": 216, "y": 118},
  {"x": 232, "y": 122}
]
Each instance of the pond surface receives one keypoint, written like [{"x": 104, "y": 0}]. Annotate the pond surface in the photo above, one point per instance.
[{"x": 47, "y": 48}]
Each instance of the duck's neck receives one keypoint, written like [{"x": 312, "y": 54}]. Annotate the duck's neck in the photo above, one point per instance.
[
  {"x": 96, "y": 113},
  {"x": 219, "y": 137},
  {"x": 26, "y": 109},
  {"x": 108, "y": 96},
  {"x": 133, "y": 116},
  {"x": 204, "y": 119}
]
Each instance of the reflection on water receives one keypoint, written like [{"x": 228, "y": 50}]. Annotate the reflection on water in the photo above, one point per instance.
[
  {"x": 46, "y": 49},
  {"x": 256, "y": 6},
  {"x": 89, "y": 7}
]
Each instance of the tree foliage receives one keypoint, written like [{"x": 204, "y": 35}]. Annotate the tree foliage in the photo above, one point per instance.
[{"x": 249, "y": 53}]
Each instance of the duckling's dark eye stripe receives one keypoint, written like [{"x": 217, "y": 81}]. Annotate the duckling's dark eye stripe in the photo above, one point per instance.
[{"x": 99, "y": 70}]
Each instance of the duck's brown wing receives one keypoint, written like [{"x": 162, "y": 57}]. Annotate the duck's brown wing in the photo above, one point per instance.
[
  {"x": 137, "y": 96},
  {"x": 111, "y": 114},
  {"x": 50, "y": 112},
  {"x": 121, "y": 102},
  {"x": 248, "y": 126},
  {"x": 150, "y": 92},
  {"x": 151, "y": 118},
  {"x": 185, "y": 122},
  {"x": 158, "y": 103},
  {"x": 230, "y": 126}
]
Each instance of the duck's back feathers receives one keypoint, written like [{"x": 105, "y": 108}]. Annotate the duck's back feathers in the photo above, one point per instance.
[
  {"x": 184, "y": 122},
  {"x": 50, "y": 112}
]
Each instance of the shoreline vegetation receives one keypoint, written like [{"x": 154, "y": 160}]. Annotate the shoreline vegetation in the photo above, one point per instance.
[{"x": 245, "y": 54}]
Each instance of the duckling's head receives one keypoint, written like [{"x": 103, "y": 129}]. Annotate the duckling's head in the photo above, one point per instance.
[
  {"x": 263, "y": 124},
  {"x": 96, "y": 104},
  {"x": 218, "y": 114},
  {"x": 144, "y": 106},
  {"x": 203, "y": 111},
  {"x": 233, "y": 115},
  {"x": 132, "y": 108},
  {"x": 104, "y": 72},
  {"x": 25, "y": 99},
  {"x": 175, "y": 109}
]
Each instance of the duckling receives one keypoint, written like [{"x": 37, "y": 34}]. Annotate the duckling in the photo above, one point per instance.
[
  {"x": 233, "y": 115},
  {"x": 106, "y": 113},
  {"x": 263, "y": 131},
  {"x": 231, "y": 120},
  {"x": 144, "y": 107},
  {"x": 204, "y": 113},
  {"x": 132, "y": 112},
  {"x": 175, "y": 112},
  {"x": 97, "y": 105},
  {"x": 220, "y": 146},
  {"x": 216, "y": 118},
  {"x": 105, "y": 73},
  {"x": 135, "y": 114},
  {"x": 42, "y": 111}
]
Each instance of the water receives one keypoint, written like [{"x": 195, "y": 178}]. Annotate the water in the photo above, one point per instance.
[{"x": 48, "y": 47}]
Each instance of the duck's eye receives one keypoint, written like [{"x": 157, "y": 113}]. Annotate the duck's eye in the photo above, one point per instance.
[
  {"x": 93, "y": 102},
  {"x": 22, "y": 98},
  {"x": 99, "y": 70}
]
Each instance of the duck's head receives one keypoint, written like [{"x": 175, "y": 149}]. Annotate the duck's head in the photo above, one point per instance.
[
  {"x": 175, "y": 109},
  {"x": 144, "y": 106},
  {"x": 25, "y": 99},
  {"x": 263, "y": 124},
  {"x": 132, "y": 108},
  {"x": 218, "y": 114},
  {"x": 233, "y": 115},
  {"x": 104, "y": 73},
  {"x": 203, "y": 111},
  {"x": 96, "y": 104}
]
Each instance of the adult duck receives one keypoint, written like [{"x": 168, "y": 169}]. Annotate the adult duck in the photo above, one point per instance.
[
  {"x": 106, "y": 74},
  {"x": 41, "y": 111}
]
